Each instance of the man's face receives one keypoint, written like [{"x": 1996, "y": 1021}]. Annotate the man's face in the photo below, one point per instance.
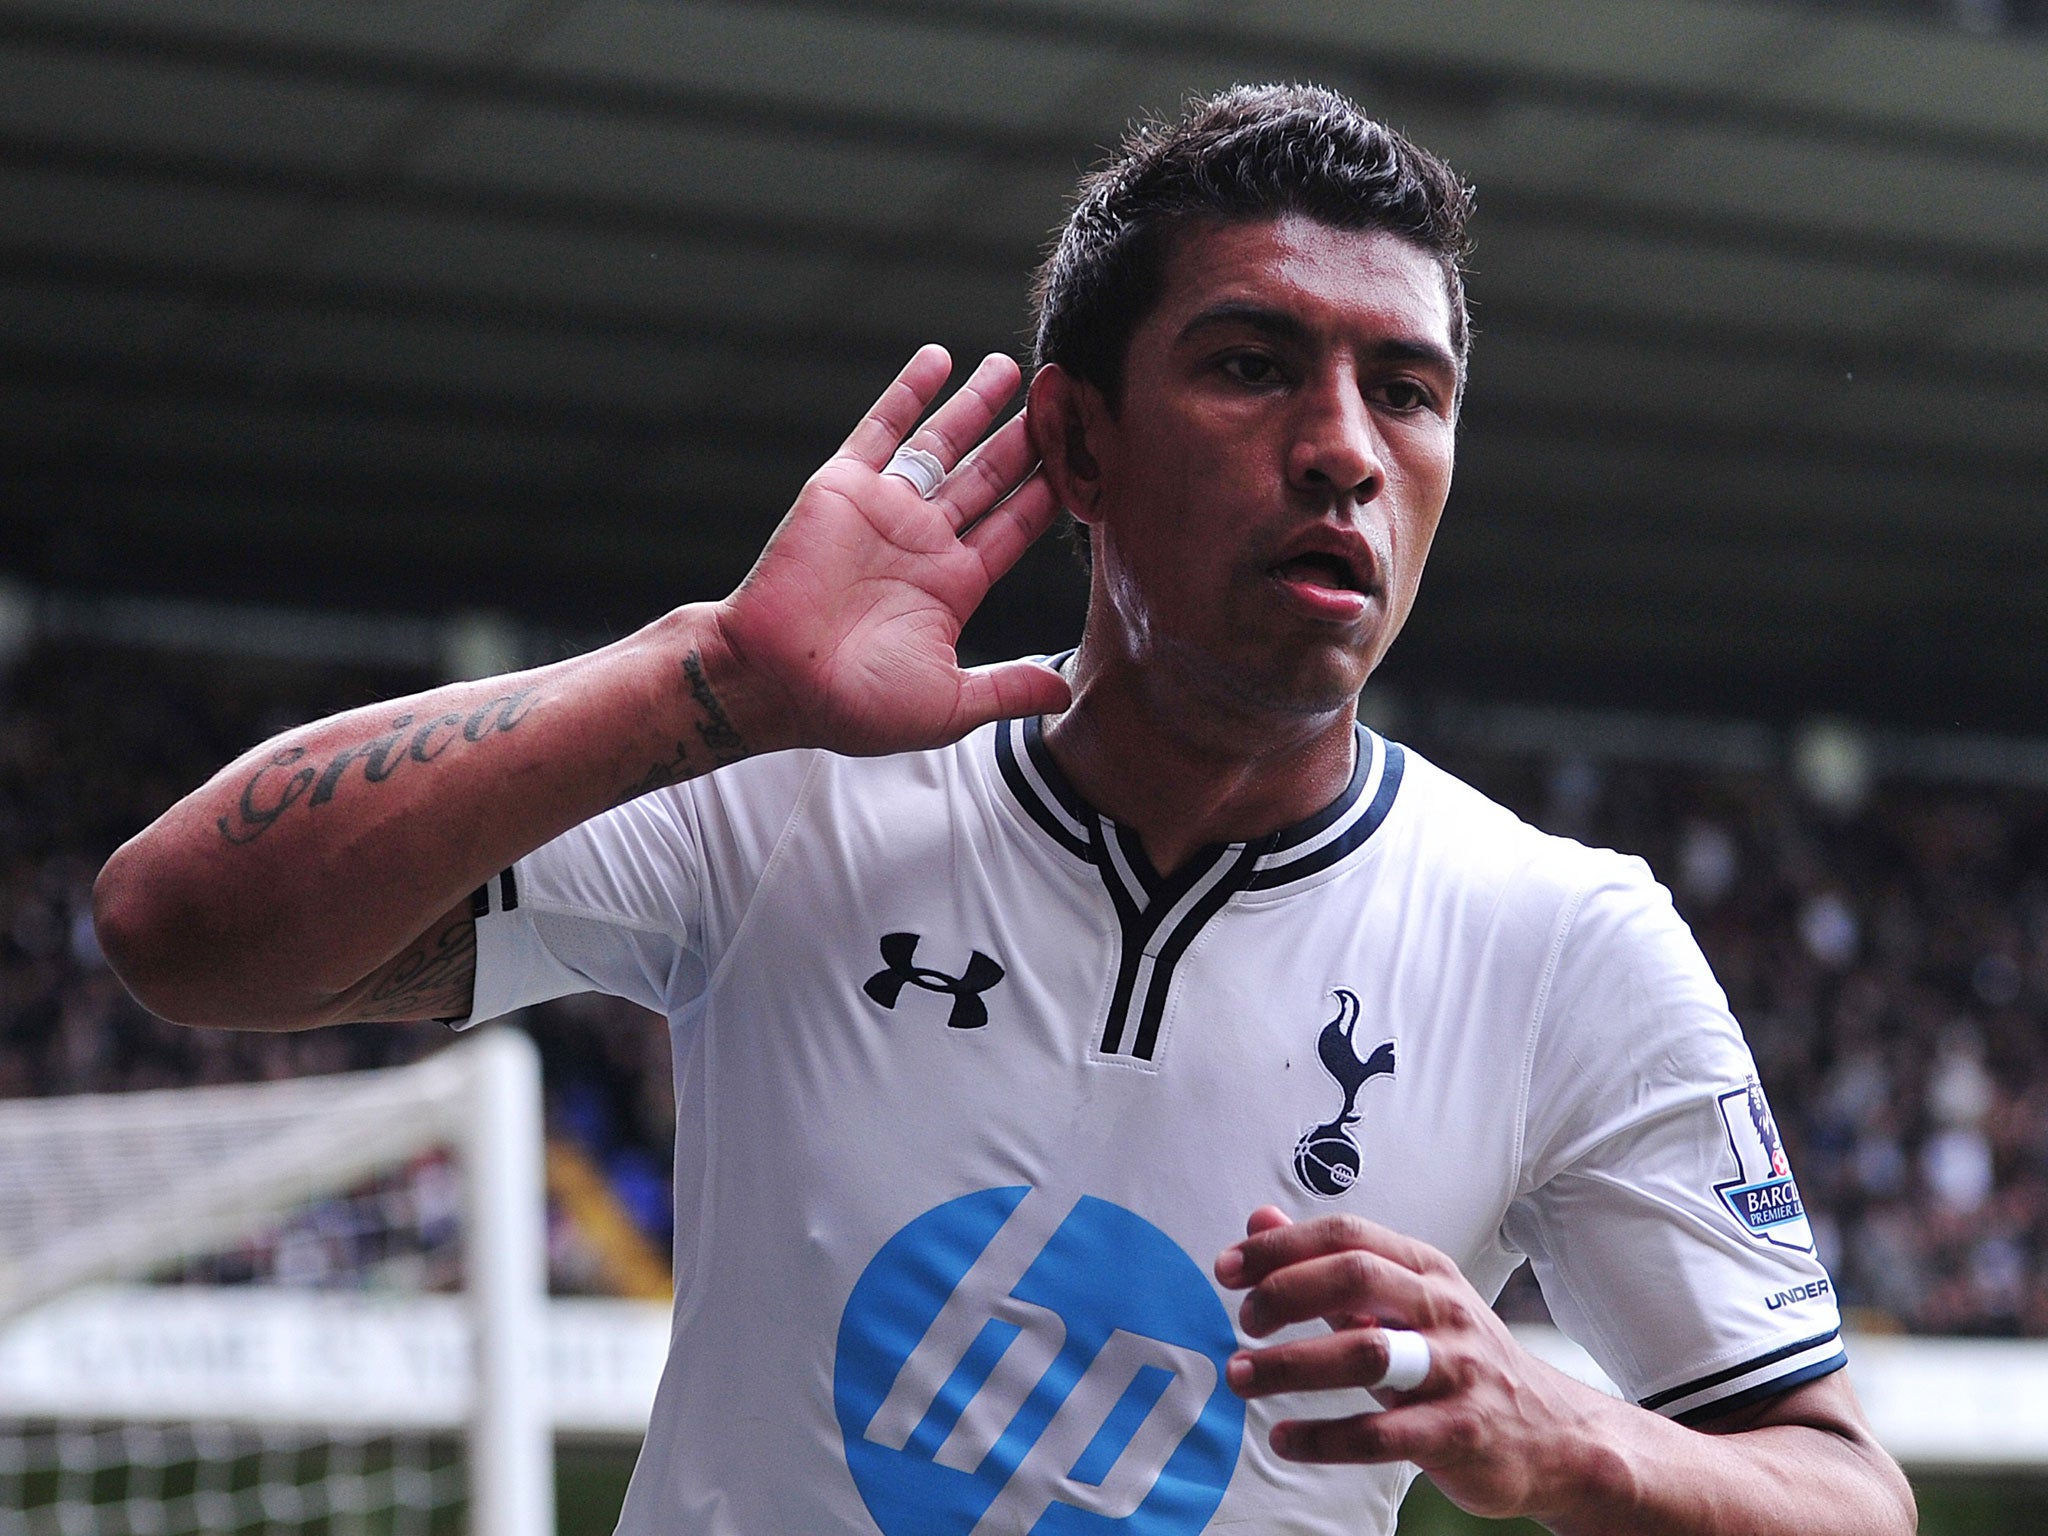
[{"x": 1270, "y": 485}]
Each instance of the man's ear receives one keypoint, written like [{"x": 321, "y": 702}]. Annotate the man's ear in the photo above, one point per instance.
[{"x": 1065, "y": 417}]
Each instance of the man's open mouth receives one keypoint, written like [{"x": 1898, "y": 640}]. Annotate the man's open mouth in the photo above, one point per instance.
[{"x": 1320, "y": 570}]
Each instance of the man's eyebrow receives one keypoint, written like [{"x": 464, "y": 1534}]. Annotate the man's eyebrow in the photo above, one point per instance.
[
  {"x": 1281, "y": 326},
  {"x": 1276, "y": 323},
  {"x": 1407, "y": 349}
]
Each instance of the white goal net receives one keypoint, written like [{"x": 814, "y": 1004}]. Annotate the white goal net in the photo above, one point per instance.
[{"x": 313, "y": 1306}]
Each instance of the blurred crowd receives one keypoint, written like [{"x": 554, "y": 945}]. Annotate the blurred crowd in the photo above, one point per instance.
[{"x": 1888, "y": 960}]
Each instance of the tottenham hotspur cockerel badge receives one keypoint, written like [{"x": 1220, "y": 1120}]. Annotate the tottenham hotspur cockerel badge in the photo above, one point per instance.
[{"x": 1326, "y": 1158}]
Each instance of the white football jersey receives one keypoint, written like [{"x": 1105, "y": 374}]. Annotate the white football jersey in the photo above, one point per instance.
[{"x": 969, "y": 1097}]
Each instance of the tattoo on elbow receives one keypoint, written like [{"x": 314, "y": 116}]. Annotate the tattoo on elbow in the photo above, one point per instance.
[{"x": 435, "y": 978}]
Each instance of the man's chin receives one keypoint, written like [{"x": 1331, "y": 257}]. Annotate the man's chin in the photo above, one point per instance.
[{"x": 1301, "y": 686}]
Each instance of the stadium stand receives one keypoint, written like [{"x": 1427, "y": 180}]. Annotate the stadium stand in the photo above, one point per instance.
[
  {"x": 2020, "y": 16},
  {"x": 1887, "y": 954}
]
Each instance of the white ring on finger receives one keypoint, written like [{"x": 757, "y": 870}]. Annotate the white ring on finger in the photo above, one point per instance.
[
  {"x": 921, "y": 469},
  {"x": 1407, "y": 1361}
]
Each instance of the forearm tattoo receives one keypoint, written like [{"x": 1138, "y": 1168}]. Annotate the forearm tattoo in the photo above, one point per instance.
[
  {"x": 716, "y": 730},
  {"x": 658, "y": 776},
  {"x": 289, "y": 779},
  {"x": 435, "y": 979}
]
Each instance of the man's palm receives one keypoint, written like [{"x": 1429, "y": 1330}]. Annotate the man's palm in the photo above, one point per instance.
[{"x": 857, "y": 602}]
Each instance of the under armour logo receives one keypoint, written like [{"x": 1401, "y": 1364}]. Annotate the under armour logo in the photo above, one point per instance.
[
  {"x": 1326, "y": 1158},
  {"x": 899, "y": 954}
]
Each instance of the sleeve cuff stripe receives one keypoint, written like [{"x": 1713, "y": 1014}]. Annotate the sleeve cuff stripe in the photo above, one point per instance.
[
  {"x": 480, "y": 905},
  {"x": 1702, "y": 1383},
  {"x": 1767, "y": 1389},
  {"x": 1778, "y": 1371}
]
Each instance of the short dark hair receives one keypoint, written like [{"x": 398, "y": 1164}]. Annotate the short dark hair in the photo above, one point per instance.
[{"x": 1251, "y": 152}]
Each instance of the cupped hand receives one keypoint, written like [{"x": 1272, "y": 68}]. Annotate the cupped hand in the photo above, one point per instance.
[
  {"x": 850, "y": 617},
  {"x": 1494, "y": 1427}
]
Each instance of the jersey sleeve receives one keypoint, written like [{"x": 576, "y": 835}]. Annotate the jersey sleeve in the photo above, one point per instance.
[
  {"x": 1657, "y": 1205},
  {"x": 636, "y": 902}
]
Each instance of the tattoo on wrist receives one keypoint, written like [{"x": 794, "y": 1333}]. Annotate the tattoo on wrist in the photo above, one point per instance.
[
  {"x": 716, "y": 727},
  {"x": 436, "y": 978},
  {"x": 716, "y": 730},
  {"x": 288, "y": 778}
]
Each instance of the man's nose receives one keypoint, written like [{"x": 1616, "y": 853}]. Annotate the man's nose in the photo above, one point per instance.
[{"x": 1336, "y": 449}]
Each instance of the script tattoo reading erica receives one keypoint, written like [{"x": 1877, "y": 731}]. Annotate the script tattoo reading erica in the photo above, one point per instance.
[{"x": 288, "y": 778}]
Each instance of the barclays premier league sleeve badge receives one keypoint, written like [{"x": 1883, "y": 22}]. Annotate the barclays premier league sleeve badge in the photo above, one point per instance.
[{"x": 1763, "y": 1199}]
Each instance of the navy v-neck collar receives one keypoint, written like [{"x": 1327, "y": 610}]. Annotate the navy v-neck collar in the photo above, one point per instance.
[
  {"x": 1294, "y": 853},
  {"x": 1161, "y": 915}
]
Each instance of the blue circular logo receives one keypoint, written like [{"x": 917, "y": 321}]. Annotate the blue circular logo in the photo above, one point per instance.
[{"x": 1009, "y": 1362}]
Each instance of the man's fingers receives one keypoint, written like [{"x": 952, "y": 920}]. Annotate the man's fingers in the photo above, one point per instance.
[
  {"x": 1333, "y": 1284},
  {"x": 1424, "y": 1433},
  {"x": 881, "y": 432},
  {"x": 1348, "y": 1357},
  {"x": 1002, "y": 537},
  {"x": 988, "y": 474},
  {"x": 956, "y": 426},
  {"x": 952, "y": 430},
  {"x": 1259, "y": 1254},
  {"x": 1009, "y": 689},
  {"x": 1265, "y": 1219}
]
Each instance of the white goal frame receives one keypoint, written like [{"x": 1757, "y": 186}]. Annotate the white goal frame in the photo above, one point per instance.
[{"x": 479, "y": 1097}]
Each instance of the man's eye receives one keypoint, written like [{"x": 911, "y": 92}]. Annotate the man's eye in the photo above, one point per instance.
[
  {"x": 1251, "y": 368},
  {"x": 1404, "y": 395}
]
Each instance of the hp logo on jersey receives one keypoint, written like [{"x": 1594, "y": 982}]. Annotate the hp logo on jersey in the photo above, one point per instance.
[{"x": 1009, "y": 1362}]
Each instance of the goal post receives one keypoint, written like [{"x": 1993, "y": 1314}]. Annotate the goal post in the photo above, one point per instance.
[
  {"x": 511, "y": 1429},
  {"x": 213, "y": 1299}
]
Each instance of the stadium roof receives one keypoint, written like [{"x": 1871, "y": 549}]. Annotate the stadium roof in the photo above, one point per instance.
[{"x": 549, "y": 305}]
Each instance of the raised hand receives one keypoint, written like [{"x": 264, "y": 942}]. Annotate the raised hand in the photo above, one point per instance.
[
  {"x": 325, "y": 875},
  {"x": 849, "y": 619}
]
